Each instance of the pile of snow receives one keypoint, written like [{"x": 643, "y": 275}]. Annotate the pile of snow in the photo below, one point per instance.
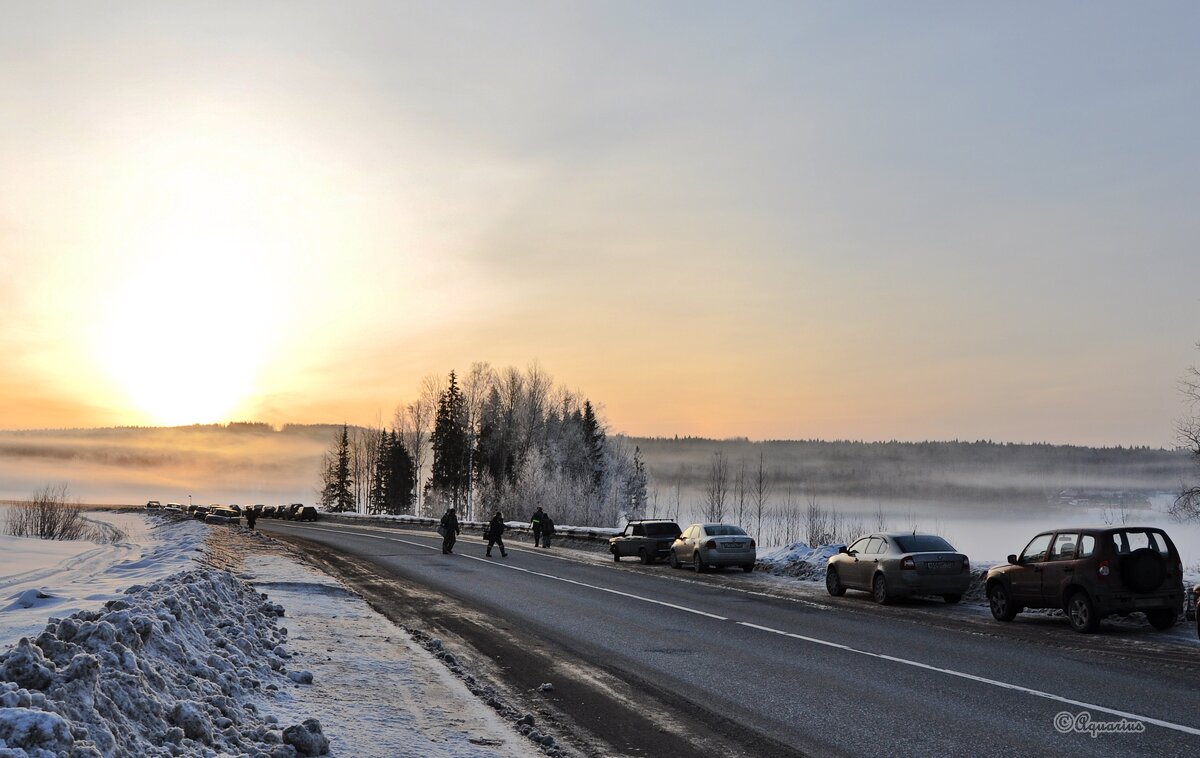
[
  {"x": 167, "y": 669},
  {"x": 798, "y": 560},
  {"x": 43, "y": 577}
]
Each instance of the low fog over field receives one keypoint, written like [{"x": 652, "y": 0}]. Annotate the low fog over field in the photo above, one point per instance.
[{"x": 213, "y": 463}]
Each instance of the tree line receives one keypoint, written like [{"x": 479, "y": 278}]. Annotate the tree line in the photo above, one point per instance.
[{"x": 506, "y": 439}]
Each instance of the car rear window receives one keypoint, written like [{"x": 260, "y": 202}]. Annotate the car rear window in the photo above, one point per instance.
[
  {"x": 923, "y": 543},
  {"x": 723, "y": 530},
  {"x": 1128, "y": 540},
  {"x": 662, "y": 530}
]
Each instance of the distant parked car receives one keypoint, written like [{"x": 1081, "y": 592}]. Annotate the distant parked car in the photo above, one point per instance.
[
  {"x": 305, "y": 513},
  {"x": 713, "y": 545},
  {"x": 154, "y": 505},
  {"x": 894, "y": 564},
  {"x": 648, "y": 539},
  {"x": 222, "y": 515},
  {"x": 1091, "y": 573},
  {"x": 1196, "y": 605},
  {"x": 234, "y": 506},
  {"x": 292, "y": 510}
]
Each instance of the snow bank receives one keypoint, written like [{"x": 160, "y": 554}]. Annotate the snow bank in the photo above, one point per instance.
[
  {"x": 43, "y": 577},
  {"x": 798, "y": 560},
  {"x": 167, "y": 669}
]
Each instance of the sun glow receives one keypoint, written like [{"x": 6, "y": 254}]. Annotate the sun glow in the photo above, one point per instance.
[{"x": 191, "y": 321}]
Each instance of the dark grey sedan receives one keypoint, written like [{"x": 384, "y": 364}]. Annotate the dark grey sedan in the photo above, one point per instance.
[{"x": 895, "y": 564}]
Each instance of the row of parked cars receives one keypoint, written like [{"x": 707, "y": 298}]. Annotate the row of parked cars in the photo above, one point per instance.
[
  {"x": 1087, "y": 573},
  {"x": 233, "y": 512}
]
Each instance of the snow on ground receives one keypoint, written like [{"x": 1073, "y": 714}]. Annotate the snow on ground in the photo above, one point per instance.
[
  {"x": 200, "y": 663},
  {"x": 43, "y": 577},
  {"x": 377, "y": 691}
]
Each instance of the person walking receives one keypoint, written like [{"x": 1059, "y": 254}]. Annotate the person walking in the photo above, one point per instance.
[
  {"x": 450, "y": 531},
  {"x": 535, "y": 524},
  {"x": 547, "y": 529},
  {"x": 251, "y": 517},
  {"x": 495, "y": 534}
]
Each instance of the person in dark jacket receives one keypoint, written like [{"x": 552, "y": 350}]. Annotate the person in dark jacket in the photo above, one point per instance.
[
  {"x": 450, "y": 531},
  {"x": 251, "y": 517},
  {"x": 547, "y": 529},
  {"x": 535, "y": 525},
  {"x": 495, "y": 533}
]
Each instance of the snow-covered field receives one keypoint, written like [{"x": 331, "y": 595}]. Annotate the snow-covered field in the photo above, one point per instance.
[{"x": 272, "y": 659}]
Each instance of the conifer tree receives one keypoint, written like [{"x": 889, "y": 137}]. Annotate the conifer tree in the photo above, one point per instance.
[
  {"x": 450, "y": 472},
  {"x": 342, "y": 492}
]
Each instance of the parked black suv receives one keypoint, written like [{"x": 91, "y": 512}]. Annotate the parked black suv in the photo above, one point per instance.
[
  {"x": 1091, "y": 573},
  {"x": 648, "y": 539}
]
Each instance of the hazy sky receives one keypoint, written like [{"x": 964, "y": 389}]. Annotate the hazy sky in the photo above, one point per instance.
[{"x": 779, "y": 220}]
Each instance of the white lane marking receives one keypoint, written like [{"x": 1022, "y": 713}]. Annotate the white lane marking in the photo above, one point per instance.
[
  {"x": 818, "y": 641},
  {"x": 539, "y": 573},
  {"x": 980, "y": 679}
]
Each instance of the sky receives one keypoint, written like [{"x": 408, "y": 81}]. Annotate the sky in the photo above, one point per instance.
[{"x": 774, "y": 220}]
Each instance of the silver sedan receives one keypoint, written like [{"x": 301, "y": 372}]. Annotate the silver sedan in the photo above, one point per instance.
[
  {"x": 713, "y": 545},
  {"x": 894, "y": 564}
]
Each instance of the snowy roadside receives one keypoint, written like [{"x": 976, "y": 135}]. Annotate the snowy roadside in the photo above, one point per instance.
[
  {"x": 201, "y": 662},
  {"x": 39, "y": 578}
]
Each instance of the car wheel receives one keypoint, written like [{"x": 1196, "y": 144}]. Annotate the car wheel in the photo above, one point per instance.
[
  {"x": 1162, "y": 619},
  {"x": 616, "y": 554},
  {"x": 833, "y": 583},
  {"x": 1082, "y": 614},
  {"x": 1001, "y": 602},
  {"x": 748, "y": 568},
  {"x": 673, "y": 559},
  {"x": 951, "y": 599},
  {"x": 697, "y": 563},
  {"x": 879, "y": 590},
  {"x": 644, "y": 555}
]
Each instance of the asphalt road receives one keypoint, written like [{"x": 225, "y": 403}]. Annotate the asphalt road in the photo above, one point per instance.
[{"x": 816, "y": 677}]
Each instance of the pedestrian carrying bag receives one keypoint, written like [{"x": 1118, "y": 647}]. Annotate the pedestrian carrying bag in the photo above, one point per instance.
[{"x": 441, "y": 530}]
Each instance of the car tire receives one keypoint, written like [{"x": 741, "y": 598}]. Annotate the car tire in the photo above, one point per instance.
[
  {"x": 879, "y": 590},
  {"x": 644, "y": 555},
  {"x": 697, "y": 563},
  {"x": 616, "y": 554},
  {"x": 1162, "y": 619},
  {"x": 833, "y": 583},
  {"x": 748, "y": 568},
  {"x": 1081, "y": 612},
  {"x": 673, "y": 559},
  {"x": 1001, "y": 603},
  {"x": 951, "y": 599}
]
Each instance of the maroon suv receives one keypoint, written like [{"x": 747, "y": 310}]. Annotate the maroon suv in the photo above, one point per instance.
[{"x": 1091, "y": 573}]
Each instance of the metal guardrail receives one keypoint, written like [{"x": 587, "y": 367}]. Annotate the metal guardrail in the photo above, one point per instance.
[{"x": 560, "y": 532}]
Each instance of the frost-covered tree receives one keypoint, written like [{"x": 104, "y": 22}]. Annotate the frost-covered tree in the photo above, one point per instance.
[{"x": 1187, "y": 506}]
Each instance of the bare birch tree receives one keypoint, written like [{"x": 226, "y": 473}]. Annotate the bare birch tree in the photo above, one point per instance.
[
  {"x": 717, "y": 488},
  {"x": 762, "y": 493}
]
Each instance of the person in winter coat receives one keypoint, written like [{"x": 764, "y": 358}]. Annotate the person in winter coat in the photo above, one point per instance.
[
  {"x": 251, "y": 517},
  {"x": 535, "y": 525},
  {"x": 450, "y": 531},
  {"x": 547, "y": 529},
  {"x": 495, "y": 533}
]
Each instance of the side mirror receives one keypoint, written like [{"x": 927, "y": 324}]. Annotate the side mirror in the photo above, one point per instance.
[
  {"x": 1013, "y": 560},
  {"x": 842, "y": 549}
]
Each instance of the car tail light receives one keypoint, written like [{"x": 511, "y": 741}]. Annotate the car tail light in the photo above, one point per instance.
[
  {"x": 752, "y": 543},
  {"x": 966, "y": 564},
  {"x": 711, "y": 544},
  {"x": 907, "y": 562},
  {"x": 1104, "y": 569}
]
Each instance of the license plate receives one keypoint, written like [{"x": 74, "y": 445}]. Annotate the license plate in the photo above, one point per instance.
[
  {"x": 732, "y": 545},
  {"x": 937, "y": 565}
]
